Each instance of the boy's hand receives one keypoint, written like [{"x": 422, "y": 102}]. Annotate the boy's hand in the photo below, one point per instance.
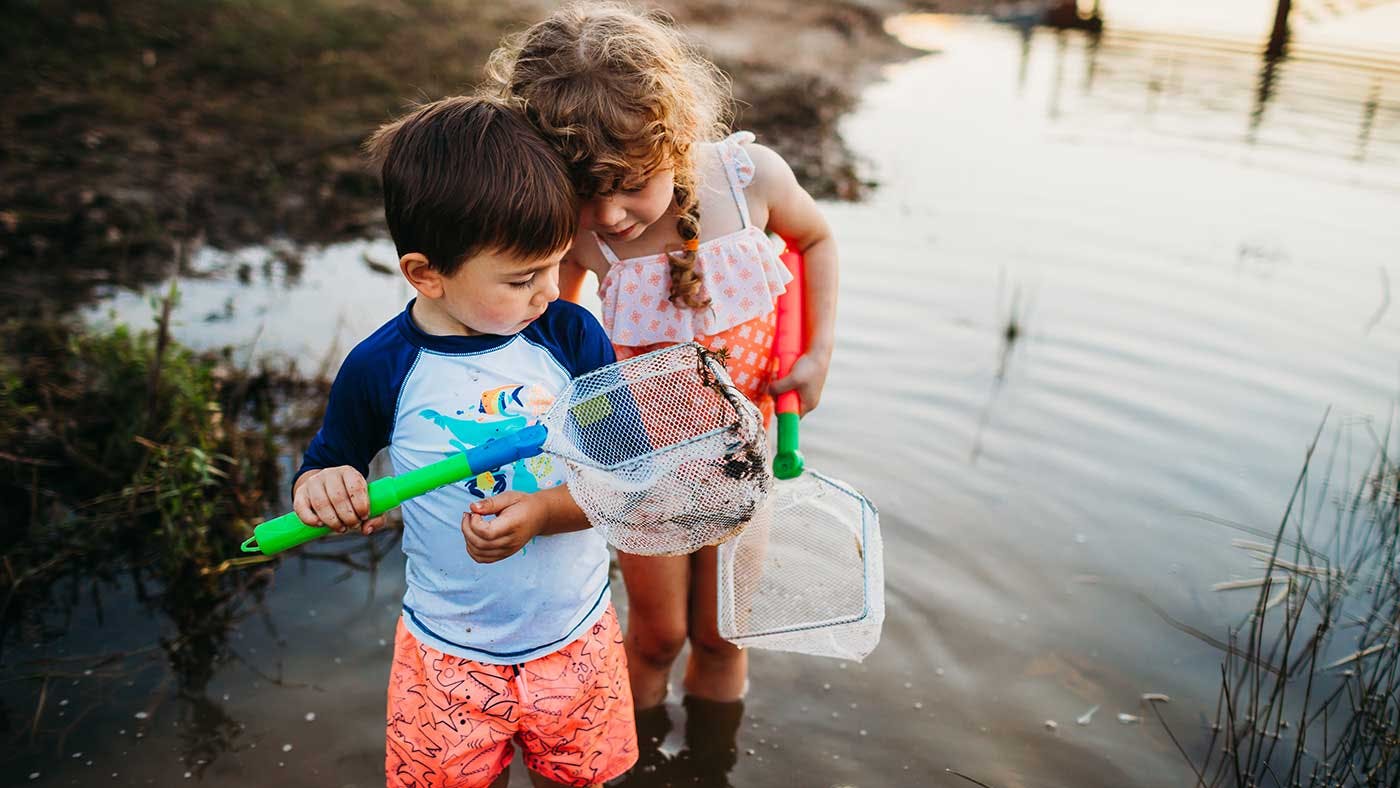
[
  {"x": 808, "y": 376},
  {"x": 519, "y": 518},
  {"x": 336, "y": 498}
]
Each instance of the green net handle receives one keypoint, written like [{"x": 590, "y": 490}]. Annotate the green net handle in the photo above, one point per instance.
[{"x": 288, "y": 531}]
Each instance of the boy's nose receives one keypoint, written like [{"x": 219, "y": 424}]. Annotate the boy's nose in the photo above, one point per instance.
[{"x": 548, "y": 291}]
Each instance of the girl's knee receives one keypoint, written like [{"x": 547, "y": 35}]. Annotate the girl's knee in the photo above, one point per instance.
[{"x": 711, "y": 646}]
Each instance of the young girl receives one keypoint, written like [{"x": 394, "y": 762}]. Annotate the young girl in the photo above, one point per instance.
[{"x": 675, "y": 226}]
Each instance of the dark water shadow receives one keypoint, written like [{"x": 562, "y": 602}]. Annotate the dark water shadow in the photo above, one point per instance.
[
  {"x": 74, "y": 658},
  {"x": 707, "y": 756}
]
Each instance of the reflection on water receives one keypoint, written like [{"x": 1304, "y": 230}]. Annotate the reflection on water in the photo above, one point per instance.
[
  {"x": 706, "y": 755},
  {"x": 1106, "y": 291}
]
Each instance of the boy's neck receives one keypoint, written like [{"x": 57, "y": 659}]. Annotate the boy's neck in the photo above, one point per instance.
[{"x": 432, "y": 319}]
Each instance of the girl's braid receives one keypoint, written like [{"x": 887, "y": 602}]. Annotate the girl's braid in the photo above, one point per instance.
[{"x": 686, "y": 284}]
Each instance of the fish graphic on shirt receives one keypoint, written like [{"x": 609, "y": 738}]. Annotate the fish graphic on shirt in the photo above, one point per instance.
[
  {"x": 468, "y": 433},
  {"x": 515, "y": 398}
]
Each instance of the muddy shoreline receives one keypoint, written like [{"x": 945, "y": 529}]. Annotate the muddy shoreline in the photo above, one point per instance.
[{"x": 232, "y": 124}]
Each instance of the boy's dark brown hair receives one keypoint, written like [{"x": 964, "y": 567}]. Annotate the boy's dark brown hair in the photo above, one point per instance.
[{"x": 469, "y": 174}]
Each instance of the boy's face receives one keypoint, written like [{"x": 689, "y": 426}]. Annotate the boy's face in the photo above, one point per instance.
[
  {"x": 490, "y": 293},
  {"x": 626, "y": 213}
]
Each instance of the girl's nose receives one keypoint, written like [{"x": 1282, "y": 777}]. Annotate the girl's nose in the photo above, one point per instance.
[{"x": 607, "y": 213}]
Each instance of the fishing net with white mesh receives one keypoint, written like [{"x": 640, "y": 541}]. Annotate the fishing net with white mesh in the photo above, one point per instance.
[{"x": 661, "y": 451}]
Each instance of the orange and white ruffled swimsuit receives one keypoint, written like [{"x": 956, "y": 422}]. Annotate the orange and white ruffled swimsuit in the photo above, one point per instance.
[{"x": 741, "y": 274}]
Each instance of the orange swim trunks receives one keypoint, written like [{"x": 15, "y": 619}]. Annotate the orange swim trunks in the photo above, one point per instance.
[
  {"x": 452, "y": 721},
  {"x": 749, "y": 350}
]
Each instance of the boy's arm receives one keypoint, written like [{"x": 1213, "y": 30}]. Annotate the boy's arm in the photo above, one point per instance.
[
  {"x": 330, "y": 488},
  {"x": 519, "y": 518},
  {"x": 794, "y": 215}
]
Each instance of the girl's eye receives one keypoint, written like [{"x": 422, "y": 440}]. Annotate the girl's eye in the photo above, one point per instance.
[{"x": 634, "y": 189}]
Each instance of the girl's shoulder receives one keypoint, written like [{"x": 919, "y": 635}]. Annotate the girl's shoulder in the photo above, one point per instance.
[{"x": 760, "y": 170}]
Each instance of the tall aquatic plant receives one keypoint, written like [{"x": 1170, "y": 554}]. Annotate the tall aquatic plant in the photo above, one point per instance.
[
  {"x": 1310, "y": 681},
  {"x": 128, "y": 458}
]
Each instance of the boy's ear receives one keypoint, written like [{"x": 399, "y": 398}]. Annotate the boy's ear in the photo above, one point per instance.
[{"x": 421, "y": 275}]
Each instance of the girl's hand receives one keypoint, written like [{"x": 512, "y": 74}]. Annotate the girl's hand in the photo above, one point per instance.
[
  {"x": 808, "y": 376},
  {"x": 519, "y": 518}
]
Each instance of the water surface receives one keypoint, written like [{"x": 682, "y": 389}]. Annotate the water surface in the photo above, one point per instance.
[{"x": 1197, "y": 247}]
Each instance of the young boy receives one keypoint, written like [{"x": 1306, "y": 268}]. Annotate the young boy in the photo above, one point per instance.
[{"x": 511, "y": 635}]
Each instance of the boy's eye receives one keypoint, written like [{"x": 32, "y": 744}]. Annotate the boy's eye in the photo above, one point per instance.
[{"x": 523, "y": 282}]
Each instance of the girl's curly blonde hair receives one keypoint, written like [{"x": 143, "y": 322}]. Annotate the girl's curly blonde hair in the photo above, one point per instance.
[{"x": 621, "y": 94}]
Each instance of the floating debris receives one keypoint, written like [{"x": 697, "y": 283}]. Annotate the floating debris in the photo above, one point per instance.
[
  {"x": 1128, "y": 719},
  {"x": 286, "y": 748},
  {"x": 141, "y": 715},
  {"x": 311, "y": 716},
  {"x": 1301, "y": 569},
  {"x": 1155, "y": 697},
  {"x": 1051, "y": 725},
  {"x": 1231, "y": 585},
  {"x": 1278, "y": 598},
  {"x": 1358, "y": 655},
  {"x": 1087, "y": 717}
]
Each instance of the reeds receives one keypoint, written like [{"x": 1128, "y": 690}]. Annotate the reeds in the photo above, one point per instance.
[
  {"x": 1310, "y": 678},
  {"x": 128, "y": 459}
]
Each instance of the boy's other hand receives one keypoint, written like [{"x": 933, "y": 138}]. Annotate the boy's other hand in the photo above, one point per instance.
[
  {"x": 336, "y": 498},
  {"x": 519, "y": 518}
]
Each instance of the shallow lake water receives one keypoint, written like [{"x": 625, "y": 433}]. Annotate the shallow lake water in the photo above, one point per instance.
[{"x": 1196, "y": 247}]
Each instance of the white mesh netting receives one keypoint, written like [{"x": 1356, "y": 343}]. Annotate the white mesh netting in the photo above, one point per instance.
[
  {"x": 807, "y": 574},
  {"x": 662, "y": 453}
]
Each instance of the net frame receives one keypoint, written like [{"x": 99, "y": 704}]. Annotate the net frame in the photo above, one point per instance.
[
  {"x": 842, "y": 633},
  {"x": 706, "y": 474}
]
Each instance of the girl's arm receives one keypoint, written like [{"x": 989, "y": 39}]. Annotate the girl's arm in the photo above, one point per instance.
[
  {"x": 582, "y": 258},
  {"x": 794, "y": 215},
  {"x": 571, "y": 276}
]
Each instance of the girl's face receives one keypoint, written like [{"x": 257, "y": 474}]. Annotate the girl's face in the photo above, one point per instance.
[{"x": 623, "y": 215}]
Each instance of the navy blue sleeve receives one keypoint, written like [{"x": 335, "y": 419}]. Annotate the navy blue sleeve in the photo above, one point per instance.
[
  {"x": 360, "y": 411},
  {"x": 593, "y": 348},
  {"x": 575, "y": 338}
]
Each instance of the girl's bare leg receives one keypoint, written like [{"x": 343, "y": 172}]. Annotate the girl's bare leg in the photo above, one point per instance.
[
  {"x": 717, "y": 670},
  {"x": 657, "y": 588}
]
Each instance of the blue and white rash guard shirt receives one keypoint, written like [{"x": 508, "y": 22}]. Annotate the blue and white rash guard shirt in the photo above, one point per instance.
[{"x": 426, "y": 397}]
